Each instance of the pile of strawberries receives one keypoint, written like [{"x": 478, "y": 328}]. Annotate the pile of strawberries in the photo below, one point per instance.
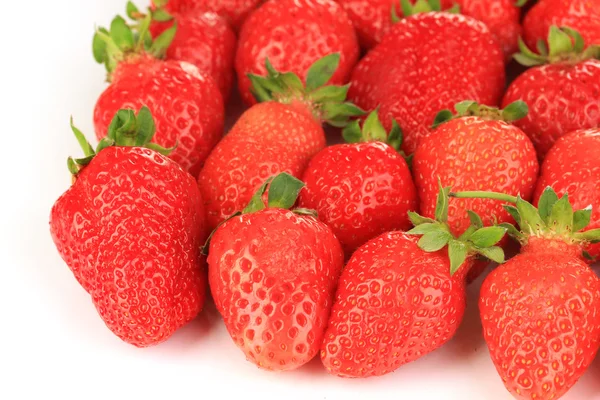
[{"x": 359, "y": 252}]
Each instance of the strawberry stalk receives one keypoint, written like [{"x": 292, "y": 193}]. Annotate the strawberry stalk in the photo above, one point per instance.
[
  {"x": 420, "y": 6},
  {"x": 512, "y": 112}
]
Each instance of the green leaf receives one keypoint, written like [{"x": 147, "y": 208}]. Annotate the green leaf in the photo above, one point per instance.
[
  {"x": 406, "y": 8},
  {"x": 330, "y": 93},
  {"x": 99, "y": 49},
  {"x": 259, "y": 88},
  {"x": 527, "y": 57},
  {"x": 159, "y": 149},
  {"x": 144, "y": 37},
  {"x": 291, "y": 81},
  {"x": 321, "y": 71},
  {"x": 161, "y": 15},
  {"x": 457, "y": 252},
  {"x": 352, "y": 133},
  {"x": 464, "y": 107},
  {"x": 441, "y": 208},
  {"x": 513, "y": 213},
  {"x": 578, "y": 42},
  {"x": 542, "y": 47},
  {"x": 104, "y": 143},
  {"x": 73, "y": 168},
  {"x": 581, "y": 219},
  {"x": 332, "y": 111},
  {"x": 425, "y": 228},
  {"x": 515, "y": 111},
  {"x": 495, "y": 253},
  {"x": 145, "y": 127},
  {"x": 121, "y": 34},
  {"x": 205, "y": 249},
  {"x": 284, "y": 191},
  {"x": 160, "y": 3},
  {"x": 87, "y": 148},
  {"x": 442, "y": 117},
  {"x": 132, "y": 10},
  {"x": 592, "y": 236},
  {"x": 394, "y": 15},
  {"x": 561, "y": 216},
  {"x": 475, "y": 219},
  {"x": 546, "y": 202},
  {"x": 512, "y": 230},
  {"x": 373, "y": 130},
  {"x": 163, "y": 41},
  {"x": 531, "y": 221},
  {"x": 416, "y": 219},
  {"x": 488, "y": 236},
  {"x": 559, "y": 42},
  {"x": 588, "y": 256},
  {"x": 256, "y": 202},
  {"x": 520, "y": 3},
  {"x": 395, "y": 138},
  {"x": 434, "y": 241},
  {"x": 305, "y": 211}
]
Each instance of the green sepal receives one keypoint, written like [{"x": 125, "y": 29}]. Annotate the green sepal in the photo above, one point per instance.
[
  {"x": 581, "y": 219},
  {"x": 561, "y": 216},
  {"x": 373, "y": 131},
  {"x": 592, "y": 236},
  {"x": 421, "y": 6},
  {"x": 469, "y": 108},
  {"x": 441, "y": 208},
  {"x": 256, "y": 201},
  {"x": 305, "y": 211},
  {"x": 284, "y": 191},
  {"x": 204, "y": 249},
  {"x": 546, "y": 202},
  {"x": 521, "y": 3}
]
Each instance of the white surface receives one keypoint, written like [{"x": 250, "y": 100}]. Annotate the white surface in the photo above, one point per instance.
[{"x": 52, "y": 342}]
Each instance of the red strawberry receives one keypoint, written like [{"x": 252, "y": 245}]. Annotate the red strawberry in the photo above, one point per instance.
[
  {"x": 581, "y": 15},
  {"x": 361, "y": 190},
  {"x": 428, "y": 62},
  {"x": 573, "y": 166},
  {"x": 235, "y": 11},
  {"x": 563, "y": 92},
  {"x": 401, "y": 297},
  {"x": 281, "y": 134},
  {"x": 541, "y": 310},
  {"x": 293, "y": 34},
  {"x": 186, "y": 105},
  {"x": 130, "y": 228},
  {"x": 273, "y": 274}
]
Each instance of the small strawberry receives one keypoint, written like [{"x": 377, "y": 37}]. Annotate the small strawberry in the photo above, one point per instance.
[
  {"x": 187, "y": 105},
  {"x": 541, "y": 310},
  {"x": 573, "y": 166},
  {"x": 279, "y": 135},
  {"x": 562, "y": 89},
  {"x": 361, "y": 189},
  {"x": 130, "y": 228},
  {"x": 273, "y": 274},
  {"x": 293, "y": 34},
  {"x": 235, "y": 11},
  {"x": 426, "y": 63},
  {"x": 401, "y": 297}
]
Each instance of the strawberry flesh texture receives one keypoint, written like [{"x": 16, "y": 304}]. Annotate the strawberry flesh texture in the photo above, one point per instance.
[
  {"x": 273, "y": 276},
  {"x": 142, "y": 269},
  {"x": 394, "y": 304},
  {"x": 359, "y": 190},
  {"x": 235, "y": 11},
  {"x": 187, "y": 107},
  {"x": 428, "y": 62}
]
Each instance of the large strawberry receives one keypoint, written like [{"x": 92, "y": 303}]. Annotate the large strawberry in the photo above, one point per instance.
[
  {"x": 361, "y": 189},
  {"x": 235, "y": 11},
  {"x": 280, "y": 134},
  {"x": 582, "y": 15},
  {"x": 187, "y": 105},
  {"x": 292, "y": 35},
  {"x": 573, "y": 166},
  {"x": 562, "y": 89},
  {"x": 426, "y": 63},
  {"x": 273, "y": 274},
  {"x": 541, "y": 310},
  {"x": 130, "y": 228},
  {"x": 401, "y": 296}
]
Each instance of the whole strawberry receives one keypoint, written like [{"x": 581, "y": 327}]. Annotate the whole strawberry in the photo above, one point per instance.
[
  {"x": 130, "y": 228},
  {"x": 401, "y": 296},
  {"x": 562, "y": 89},
  {"x": 273, "y": 274},
  {"x": 361, "y": 189},
  {"x": 281, "y": 134},
  {"x": 292, "y": 35},
  {"x": 426, "y": 63},
  {"x": 541, "y": 310},
  {"x": 235, "y": 11},
  {"x": 187, "y": 105},
  {"x": 573, "y": 166}
]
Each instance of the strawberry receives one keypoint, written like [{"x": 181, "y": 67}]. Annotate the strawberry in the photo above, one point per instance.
[
  {"x": 142, "y": 269},
  {"x": 361, "y": 189},
  {"x": 293, "y": 34},
  {"x": 187, "y": 105},
  {"x": 401, "y": 297},
  {"x": 581, "y": 15},
  {"x": 272, "y": 275},
  {"x": 541, "y": 310},
  {"x": 428, "y": 62},
  {"x": 573, "y": 166},
  {"x": 279, "y": 135},
  {"x": 562, "y": 89},
  {"x": 235, "y": 11}
]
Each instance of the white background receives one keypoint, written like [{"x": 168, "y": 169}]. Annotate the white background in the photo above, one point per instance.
[{"x": 52, "y": 342}]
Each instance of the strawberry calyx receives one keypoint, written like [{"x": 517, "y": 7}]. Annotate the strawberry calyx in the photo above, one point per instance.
[
  {"x": 327, "y": 103},
  {"x": 420, "y": 6},
  {"x": 126, "y": 129},
  {"x": 512, "y": 112},
  {"x": 476, "y": 240},
  {"x": 565, "y": 45},
  {"x": 158, "y": 13}
]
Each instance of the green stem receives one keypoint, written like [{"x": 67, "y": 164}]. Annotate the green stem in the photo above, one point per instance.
[{"x": 484, "y": 195}]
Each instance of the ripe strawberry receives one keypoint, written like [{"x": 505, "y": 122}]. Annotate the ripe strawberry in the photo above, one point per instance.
[
  {"x": 541, "y": 310},
  {"x": 142, "y": 269},
  {"x": 581, "y": 15},
  {"x": 573, "y": 166},
  {"x": 280, "y": 135},
  {"x": 293, "y": 34},
  {"x": 564, "y": 94},
  {"x": 235, "y": 11},
  {"x": 401, "y": 297},
  {"x": 273, "y": 274},
  {"x": 428, "y": 62},
  {"x": 186, "y": 104},
  {"x": 361, "y": 189}
]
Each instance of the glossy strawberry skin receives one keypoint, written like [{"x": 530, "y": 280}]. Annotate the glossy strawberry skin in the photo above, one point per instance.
[
  {"x": 143, "y": 270},
  {"x": 394, "y": 304},
  {"x": 581, "y": 15},
  {"x": 541, "y": 319},
  {"x": 205, "y": 40},
  {"x": 273, "y": 276},
  {"x": 573, "y": 166},
  {"x": 360, "y": 190},
  {"x": 235, "y": 11},
  {"x": 413, "y": 74},
  {"x": 561, "y": 98},
  {"x": 293, "y": 34},
  {"x": 471, "y": 153},
  {"x": 269, "y": 138},
  {"x": 187, "y": 106}
]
